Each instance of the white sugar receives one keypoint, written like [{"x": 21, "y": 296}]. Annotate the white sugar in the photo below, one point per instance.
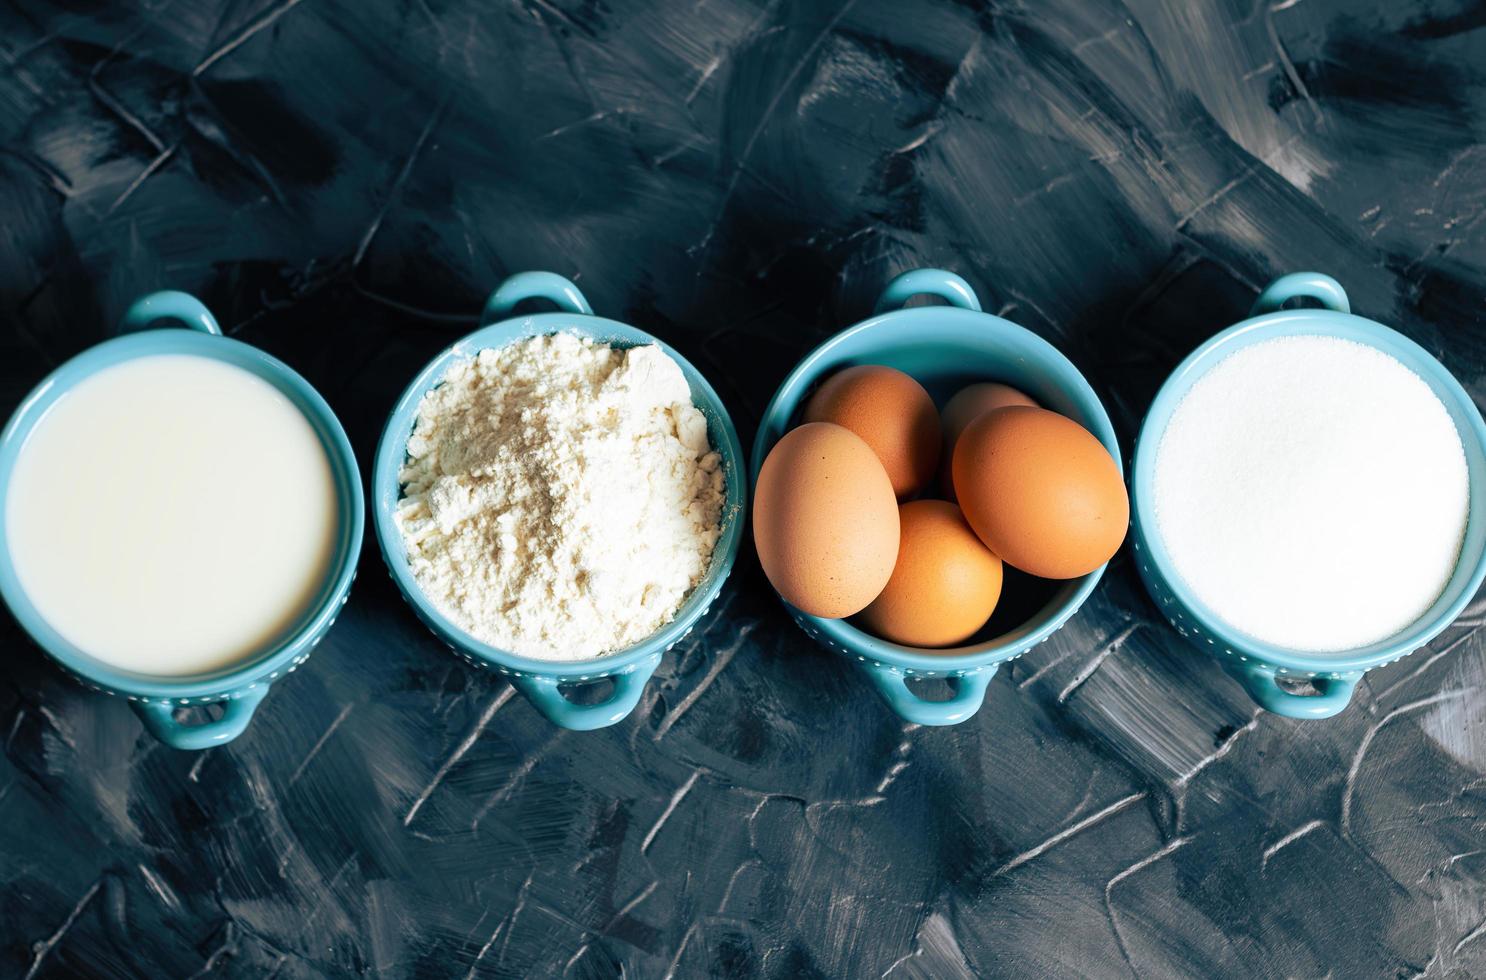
[{"x": 1313, "y": 493}]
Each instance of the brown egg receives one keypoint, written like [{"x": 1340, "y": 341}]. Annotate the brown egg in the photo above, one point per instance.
[
  {"x": 966, "y": 406},
  {"x": 825, "y": 520},
  {"x": 892, "y": 412},
  {"x": 945, "y": 584},
  {"x": 1041, "y": 492}
]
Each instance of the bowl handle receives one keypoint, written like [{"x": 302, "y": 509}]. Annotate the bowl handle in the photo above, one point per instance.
[
  {"x": 159, "y": 721},
  {"x": 533, "y": 285},
  {"x": 169, "y": 305},
  {"x": 970, "y": 692},
  {"x": 935, "y": 282},
  {"x": 1335, "y": 692},
  {"x": 544, "y": 694},
  {"x": 1309, "y": 285}
]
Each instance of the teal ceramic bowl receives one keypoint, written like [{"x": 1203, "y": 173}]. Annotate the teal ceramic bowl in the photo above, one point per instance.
[
  {"x": 543, "y": 681},
  {"x": 1260, "y": 667},
  {"x": 944, "y": 348},
  {"x": 240, "y": 688}
]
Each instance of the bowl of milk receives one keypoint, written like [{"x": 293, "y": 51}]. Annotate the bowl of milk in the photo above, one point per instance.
[
  {"x": 1309, "y": 498},
  {"x": 180, "y": 516}
]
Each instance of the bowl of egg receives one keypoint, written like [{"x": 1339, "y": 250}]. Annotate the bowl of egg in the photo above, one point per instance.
[{"x": 936, "y": 491}]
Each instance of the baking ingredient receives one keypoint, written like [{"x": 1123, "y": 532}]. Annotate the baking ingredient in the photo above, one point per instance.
[
  {"x": 825, "y": 520},
  {"x": 1312, "y": 492},
  {"x": 967, "y": 405},
  {"x": 1041, "y": 492},
  {"x": 561, "y": 496},
  {"x": 172, "y": 515},
  {"x": 892, "y": 412},
  {"x": 945, "y": 583}
]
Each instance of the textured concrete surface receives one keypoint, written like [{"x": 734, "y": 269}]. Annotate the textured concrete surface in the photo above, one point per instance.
[{"x": 344, "y": 181}]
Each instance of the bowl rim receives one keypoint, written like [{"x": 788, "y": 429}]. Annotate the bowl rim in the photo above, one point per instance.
[
  {"x": 336, "y": 586},
  {"x": 857, "y": 643},
  {"x": 392, "y": 450},
  {"x": 1152, "y": 555}
]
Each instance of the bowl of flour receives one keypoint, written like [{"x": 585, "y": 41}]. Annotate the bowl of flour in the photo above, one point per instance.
[
  {"x": 559, "y": 497},
  {"x": 1309, "y": 498}
]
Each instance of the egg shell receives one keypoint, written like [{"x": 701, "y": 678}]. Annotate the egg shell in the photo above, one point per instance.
[
  {"x": 825, "y": 520},
  {"x": 892, "y": 412},
  {"x": 945, "y": 583},
  {"x": 1041, "y": 492},
  {"x": 967, "y": 405}
]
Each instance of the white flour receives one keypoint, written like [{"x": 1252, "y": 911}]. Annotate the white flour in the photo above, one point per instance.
[
  {"x": 561, "y": 496},
  {"x": 1313, "y": 492}
]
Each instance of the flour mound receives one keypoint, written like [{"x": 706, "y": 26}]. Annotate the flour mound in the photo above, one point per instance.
[{"x": 561, "y": 497}]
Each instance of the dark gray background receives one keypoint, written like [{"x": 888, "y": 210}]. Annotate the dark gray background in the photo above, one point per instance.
[{"x": 344, "y": 181}]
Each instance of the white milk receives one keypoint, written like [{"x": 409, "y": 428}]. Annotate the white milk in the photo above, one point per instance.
[{"x": 172, "y": 515}]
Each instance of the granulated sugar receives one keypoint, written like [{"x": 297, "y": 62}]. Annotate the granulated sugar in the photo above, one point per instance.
[{"x": 1313, "y": 492}]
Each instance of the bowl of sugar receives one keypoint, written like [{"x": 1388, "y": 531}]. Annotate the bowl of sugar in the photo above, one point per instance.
[
  {"x": 1309, "y": 498},
  {"x": 181, "y": 519},
  {"x": 559, "y": 498}
]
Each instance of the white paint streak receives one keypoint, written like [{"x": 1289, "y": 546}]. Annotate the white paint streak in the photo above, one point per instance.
[
  {"x": 1068, "y": 832},
  {"x": 719, "y": 662},
  {"x": 475, "y": 963},
  {"x": 1435, "y": 658},
  {"x": 1135, "y": 868},
  {"x": 900, "y": 761},
  {"x": 1289, "y": 839},
  {"x": 665, "y": 815},
  {"x": 262, "y": 23},
  {"x": 1221, "y": 751},
  {"x": 521, "y": 772},
  {"x": 768, "y": 114},
  {"x": 680, "y": 950},
  {"x": 1396, "y": 713},
  {"x": 1093, "y": 665},
  {"x": 1472, "y": 936},
  {"x": 614, "y": 920},
  {"x": 161, "y": 890},
  {"x": 459, "y": 750},
  {"x": 319, "y": 744},
  {"x": 39, "y": 950}
]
